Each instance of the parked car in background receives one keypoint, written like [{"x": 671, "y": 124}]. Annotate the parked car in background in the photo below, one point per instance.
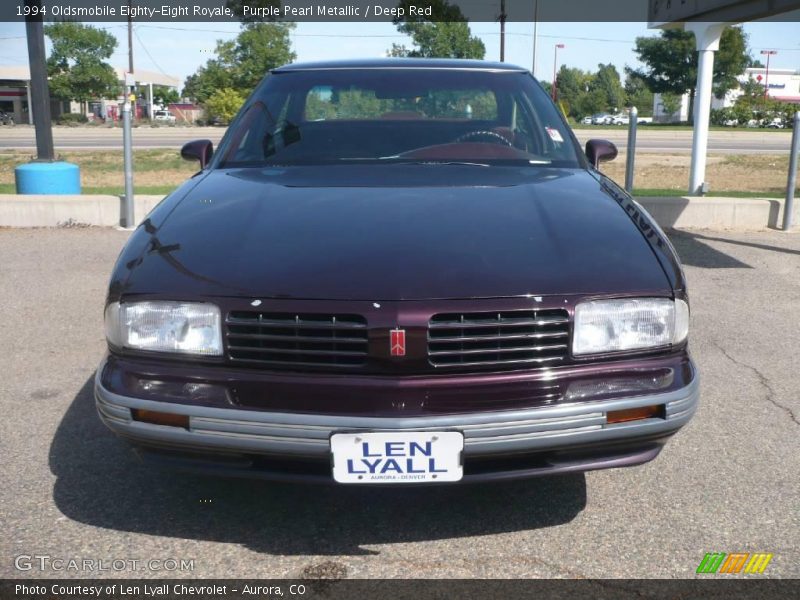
[
  {"x": 6, "y": 118},
  {"x": 621, "y": 119},
  {"x": 365, "y": 285},
  {"x": 164, "y": 115},
  {"x": 586, "y": 121},
  {"x": 775, "y": 123},
  {"x": 644, "y": 120},
  {"x": 602, "y": 119}
]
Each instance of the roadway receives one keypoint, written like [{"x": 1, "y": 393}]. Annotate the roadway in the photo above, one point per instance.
[{"x": 747, "y": 141}]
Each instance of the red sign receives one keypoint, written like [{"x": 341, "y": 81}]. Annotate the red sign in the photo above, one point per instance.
[
  {"x": 759, "y": 78},
  {"x": 397, "y": 342}
]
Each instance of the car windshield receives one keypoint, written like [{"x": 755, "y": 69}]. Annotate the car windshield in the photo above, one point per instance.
[{"x": 417, "y": 115}]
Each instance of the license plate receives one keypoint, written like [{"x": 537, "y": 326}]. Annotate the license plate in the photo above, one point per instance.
[{"x": 397, "y": 457}]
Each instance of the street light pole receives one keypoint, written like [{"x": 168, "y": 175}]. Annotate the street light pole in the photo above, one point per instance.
[
  {"x": 555, "y": 71},
  {"x": 535, "y": 34},
  {"x": 766, "y": 76}
]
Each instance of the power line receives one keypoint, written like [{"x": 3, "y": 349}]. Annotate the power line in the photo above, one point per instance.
[
  {"x": 395, "y": 35},
  {"x": 187, "y": 29},
  {"x": 146, "y": 51}
]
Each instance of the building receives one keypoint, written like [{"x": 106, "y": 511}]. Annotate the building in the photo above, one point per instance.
[
  {"x": 783, "y": 84},
  {"x": 15, "y": 92},
  {"x": 185, "y": 112},
  {"x": 662, "y": 115},
  {"x": 15, "y": 95}
]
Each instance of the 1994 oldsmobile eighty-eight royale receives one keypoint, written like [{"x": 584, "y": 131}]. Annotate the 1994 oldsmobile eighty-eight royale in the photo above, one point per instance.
[{"x": 397, "y": 271}]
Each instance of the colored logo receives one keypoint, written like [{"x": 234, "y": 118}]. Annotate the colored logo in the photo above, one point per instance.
[
  {"x": 397, "y": 342},
  {"x": 734, "y": 563}
]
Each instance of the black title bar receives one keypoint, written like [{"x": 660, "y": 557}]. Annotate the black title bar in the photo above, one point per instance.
[
  {"x": 708, "y": 588},
  {"x": 369, "y": 10}
]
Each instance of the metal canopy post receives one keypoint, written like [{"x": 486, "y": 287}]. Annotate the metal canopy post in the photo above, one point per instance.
[
  {"x": 707, "y": 36},
  {"x": 788, "y": 207}
]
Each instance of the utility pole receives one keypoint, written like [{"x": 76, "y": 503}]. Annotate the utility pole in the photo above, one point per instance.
[
  {"x": 130, "y": 39},
  {"x": 129, "y": 90},
  {"x": 535, "y": 34},
  {"x": 45, "y": 174},
  {"x": 503, "y": 30},
  {"x": 40, "y": 89}
]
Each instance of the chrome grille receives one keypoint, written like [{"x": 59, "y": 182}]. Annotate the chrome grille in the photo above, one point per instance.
[
  {"x": 504, "y": 339},
  {"x": 286, "y": 340}
]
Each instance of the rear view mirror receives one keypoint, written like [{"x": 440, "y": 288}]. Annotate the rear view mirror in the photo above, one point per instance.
[
  {"x": 598, "y": 151},
  {"x": 201, "y": 150}
]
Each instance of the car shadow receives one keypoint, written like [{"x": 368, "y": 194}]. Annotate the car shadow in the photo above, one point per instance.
[
  {"x": 100, "y": 482},
  {"x": 694, "y": 253}
]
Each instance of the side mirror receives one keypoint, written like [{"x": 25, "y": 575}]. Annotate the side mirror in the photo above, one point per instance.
[
  {"x": 598, "y": 151},
  {"x": 201, "y": 150}
]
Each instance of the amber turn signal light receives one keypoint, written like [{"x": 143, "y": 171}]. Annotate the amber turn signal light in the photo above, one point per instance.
[
  {"x": 160, "y": 418},
  {"x": 635, "y": 414}
]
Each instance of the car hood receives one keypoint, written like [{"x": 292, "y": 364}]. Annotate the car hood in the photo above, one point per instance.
[{"x": 395, "y": 232}]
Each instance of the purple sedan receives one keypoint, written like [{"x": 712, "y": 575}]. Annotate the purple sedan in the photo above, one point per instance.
[{"x": 397, "y": 272}]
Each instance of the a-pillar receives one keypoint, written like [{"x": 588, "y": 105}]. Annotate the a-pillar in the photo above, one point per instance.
[{"x": 707, "y": 36}]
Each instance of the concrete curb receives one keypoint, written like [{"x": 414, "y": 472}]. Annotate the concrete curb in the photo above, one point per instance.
[
  {"x": 34, "y": 210},
  {"x": 736, "y": 214}
]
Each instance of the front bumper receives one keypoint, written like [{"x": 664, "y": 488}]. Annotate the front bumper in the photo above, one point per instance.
[{"x": 497, "y": 445}]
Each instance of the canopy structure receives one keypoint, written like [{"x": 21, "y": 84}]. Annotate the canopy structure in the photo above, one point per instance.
[{"x": 707, "y": 19}]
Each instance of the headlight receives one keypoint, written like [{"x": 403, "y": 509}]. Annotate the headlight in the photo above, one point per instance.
[
  {"x": 629, "y": 324},
  {"x": 182, "y": 327}
]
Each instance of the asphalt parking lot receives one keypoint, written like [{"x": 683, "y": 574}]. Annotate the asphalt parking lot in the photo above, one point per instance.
[{"x": 728, "y": 482}]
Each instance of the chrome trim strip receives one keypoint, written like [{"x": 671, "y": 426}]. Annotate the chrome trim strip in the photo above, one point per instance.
[{"x": 563, "y": 425}]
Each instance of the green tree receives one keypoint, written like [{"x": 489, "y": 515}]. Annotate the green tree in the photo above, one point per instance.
[
  {"x": 671, "y": 62},
  {"x": 592, "y": 103},
  {"x": 446, "y": 35},
  {"x": 752, "y": 90},
  {"x": 208, "y": 79},
  {"x": 164, "y": 95},
  {"x": 608, "y": 82},
  {"x": 571, "y": 87},
  {"x": 583, "y": 93},
  {"x": 76, "y": 65},
  {"x": 223, "y": 105},
  {"x": 670, "y": 103},
  {"x": 257, "y": 49},
  {"x": 242, "y": 63},
  {"x": 637, "y": 94}
]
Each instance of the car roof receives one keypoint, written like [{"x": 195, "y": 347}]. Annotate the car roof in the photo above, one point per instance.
[{"x": 400, "y": 63}]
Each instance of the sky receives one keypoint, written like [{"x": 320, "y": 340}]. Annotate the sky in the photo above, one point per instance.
[{"x": 179, "y": 49}]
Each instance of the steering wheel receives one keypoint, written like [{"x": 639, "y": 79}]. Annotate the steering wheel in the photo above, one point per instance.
[{"x": 491, "y": 136}]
